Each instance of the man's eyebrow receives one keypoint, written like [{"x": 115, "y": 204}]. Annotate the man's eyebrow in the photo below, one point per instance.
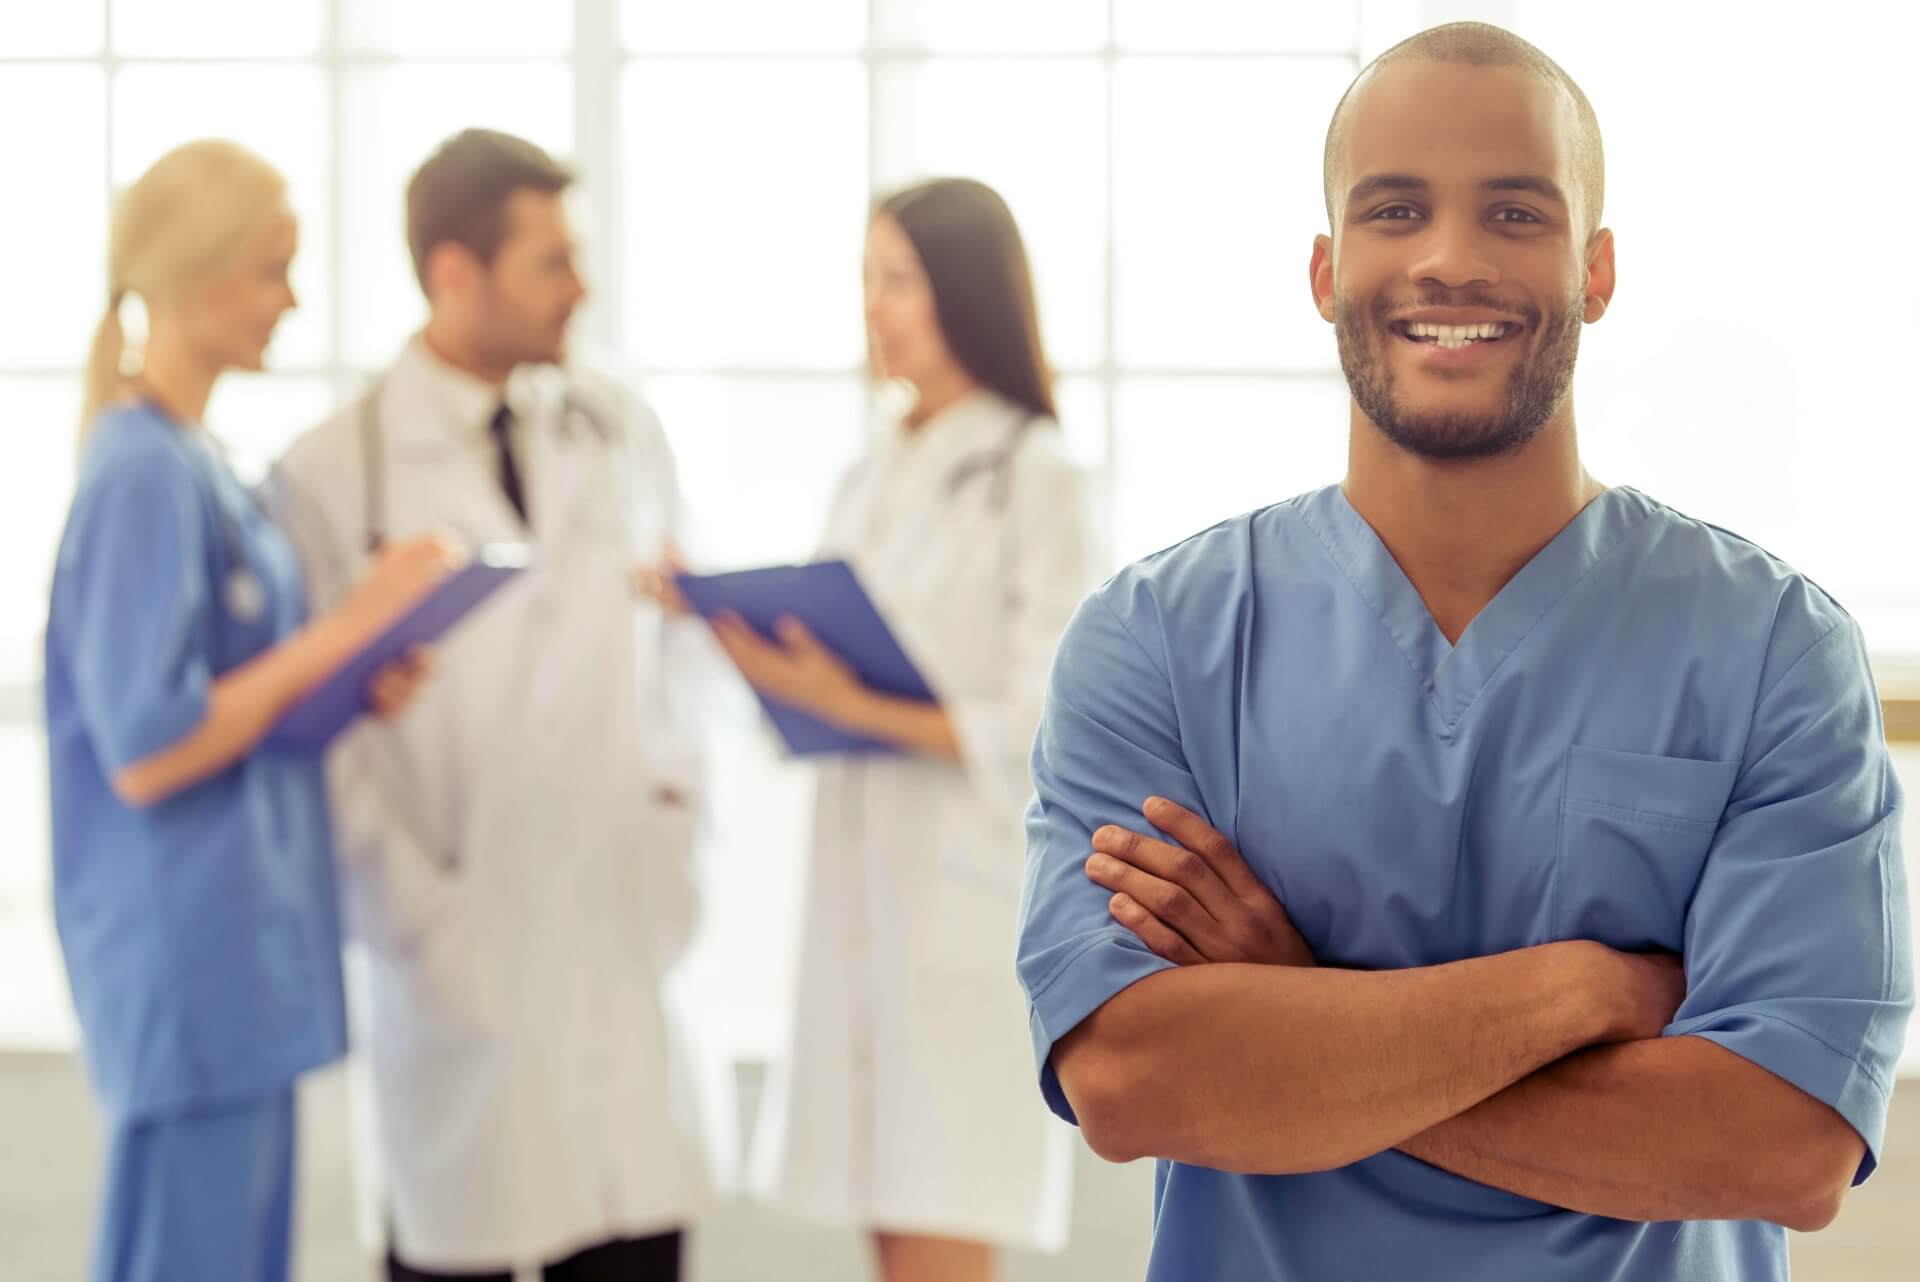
[
  {"x": 1527, "y": 182},
  {"x": 1374, "y": 184}
]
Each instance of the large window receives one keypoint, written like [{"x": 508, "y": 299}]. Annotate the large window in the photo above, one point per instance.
[{"x": 1163, "y": 159}]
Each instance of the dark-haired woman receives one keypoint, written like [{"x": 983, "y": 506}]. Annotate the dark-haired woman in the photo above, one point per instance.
[{"x": 906, "y": 1104}]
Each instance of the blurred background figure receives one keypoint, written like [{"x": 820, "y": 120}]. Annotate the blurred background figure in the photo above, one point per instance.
[
  {"x": 729, "y": 153},
  {"x": 517, "y": 853},
  {"x": 903, "y": 1103},
  {"x": 193, "y": 874}
]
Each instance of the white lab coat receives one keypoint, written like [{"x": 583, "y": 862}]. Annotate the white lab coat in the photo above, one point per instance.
[
  {"x": 520, "y": 891},
  {"x": 907, "y": 1100}
]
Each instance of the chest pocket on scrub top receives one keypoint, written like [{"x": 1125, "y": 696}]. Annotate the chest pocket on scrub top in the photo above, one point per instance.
[{"x": 1634, "y": 834}]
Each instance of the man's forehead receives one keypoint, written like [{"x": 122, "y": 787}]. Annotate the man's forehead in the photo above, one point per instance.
[
  {"x": 540, "y": 213},
  {"x": 1453, "y": 122}
]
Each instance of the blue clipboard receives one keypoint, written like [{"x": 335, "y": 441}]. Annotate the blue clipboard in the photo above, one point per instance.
[
  {"x": 828, "y": 598},
  {"x": 325, "y": 712}
]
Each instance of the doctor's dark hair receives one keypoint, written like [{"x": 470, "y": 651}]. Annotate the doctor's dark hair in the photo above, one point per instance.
[
  {"x": 460, "y": 193},
  {"x": 976, "y": 266}
]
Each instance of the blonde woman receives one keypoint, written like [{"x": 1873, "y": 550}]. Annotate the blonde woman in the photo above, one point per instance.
[{"x": 193, "y": 886}]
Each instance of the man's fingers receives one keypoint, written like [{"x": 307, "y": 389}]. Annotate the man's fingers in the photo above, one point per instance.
[
  {"x": 1199, "y": 836},
  {"x": 1166, "y": 900},
  {"x": 1154, "y": 933},
  {"x": 391, "y": 687},
  {"x": 1168, "y": 862}
]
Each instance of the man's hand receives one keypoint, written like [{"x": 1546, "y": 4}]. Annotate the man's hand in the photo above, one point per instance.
[
  {"x": 394, "y": 687},
  {"x": 1194, "y": 899},
  {"x": 1647, "y": 990},
  {"x": 657, "y": 582},
  {"x": 1197, "y": 901}
]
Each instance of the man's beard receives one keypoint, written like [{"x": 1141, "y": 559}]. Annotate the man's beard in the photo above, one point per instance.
[{"x": 1536, "y": 387}]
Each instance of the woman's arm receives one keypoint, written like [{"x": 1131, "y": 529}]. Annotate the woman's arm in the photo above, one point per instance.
[
  {"x": 796, "y": 669},
  {"x": 244, "y": 703}
]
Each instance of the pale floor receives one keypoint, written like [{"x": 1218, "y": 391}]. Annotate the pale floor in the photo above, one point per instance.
[{"x": 48, "y": 1165}]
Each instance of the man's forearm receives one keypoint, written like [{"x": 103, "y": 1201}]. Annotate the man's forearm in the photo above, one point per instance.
[
  {"x": 1272, "y": 1069},
  {"x": 1670, "y": 1129}
]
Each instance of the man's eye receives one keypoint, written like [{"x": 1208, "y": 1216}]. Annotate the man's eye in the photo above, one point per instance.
[
  {"x": 1514, "y": 216},
  {"x": 1398, "y": 213}
]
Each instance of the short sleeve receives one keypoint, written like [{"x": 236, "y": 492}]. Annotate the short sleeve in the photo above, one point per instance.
[
  {"x": 133, "y": 605},
  {"x": 1797, "y": 949},
  {"x": 1108, "y": 740}
]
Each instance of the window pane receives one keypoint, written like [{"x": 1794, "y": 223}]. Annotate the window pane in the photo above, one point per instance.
[
  {"x": 1217, "y": 202},
  {"x": 745, "y": 208},
  {"x": 1083, "y": 417},
  {"x": 1742, "y": 372},
  {"x": 74, "y": 28},
  {"x": 59, "y": 236},
  {"x": 1036, "y": 131},
  {"x": 257, "y": 416},
  {"x": 758, "y": 26},
  {"x": 759, "y": 458},
  {"x": 217, "y": 29},
  {"x": 1191, "y": 452},
  {"x": 35, "y": 1013},
  {"x": 1330, "y": 26},
  {"x": 156, "y": 108},
  {"x": 457, "y": 27},
  {"x": 940, "y": 26},
  {"x": 42, "y": 417},
  {"x": 395, "y": 117}
]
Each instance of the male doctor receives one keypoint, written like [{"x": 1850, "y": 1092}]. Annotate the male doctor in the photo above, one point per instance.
[
  {"x": 1471, "y": 870},
  {"x": 517, "y": 850}
]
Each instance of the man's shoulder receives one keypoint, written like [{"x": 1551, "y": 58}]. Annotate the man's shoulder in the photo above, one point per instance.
[
  {"x": 1692, "y": 564},
  {"x": 1205, "y": 577},
  {"x": 327, "y": 446},
  {"x": 611, "y": 397}
]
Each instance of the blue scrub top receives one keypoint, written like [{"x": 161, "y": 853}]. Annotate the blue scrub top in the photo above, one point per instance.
[
  {"x": 1656, "y": 736},
  {"x": 201, "y": 934}
]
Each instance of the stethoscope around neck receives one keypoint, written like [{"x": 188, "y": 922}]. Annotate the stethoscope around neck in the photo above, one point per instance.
[
  {"x": 373, "y": 452},
  {"x": 243, "y": 593}
]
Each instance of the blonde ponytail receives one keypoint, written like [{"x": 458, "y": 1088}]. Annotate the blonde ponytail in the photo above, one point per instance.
[
  {"x": 105, "y": 383},
  {"x": 183, "y": 222}
]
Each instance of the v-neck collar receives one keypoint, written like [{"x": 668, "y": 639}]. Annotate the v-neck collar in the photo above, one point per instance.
[{"x": 1455, "y": 675}]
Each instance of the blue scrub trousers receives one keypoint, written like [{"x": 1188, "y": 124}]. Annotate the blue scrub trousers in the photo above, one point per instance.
[{"x": 200, "y": 1197}]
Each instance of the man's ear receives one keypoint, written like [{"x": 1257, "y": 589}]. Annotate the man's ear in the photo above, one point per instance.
[
  {"x": 1320, "y": 276},
  {"x": 451, "y": 270},
  {"x": 1600, "y": 275}
]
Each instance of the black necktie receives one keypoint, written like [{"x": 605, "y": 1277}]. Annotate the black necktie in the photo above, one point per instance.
[{"x": 500, "y": 426}]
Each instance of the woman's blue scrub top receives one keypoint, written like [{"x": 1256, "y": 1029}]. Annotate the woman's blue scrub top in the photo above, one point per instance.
[
  {"x": 1656, "y": 736},
  {"x": 201, "y": 934}
]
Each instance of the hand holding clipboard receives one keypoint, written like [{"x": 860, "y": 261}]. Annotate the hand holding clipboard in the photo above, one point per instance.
[
  {"x": 414, "y": 597},
  {"x": 832, "y": 634}
]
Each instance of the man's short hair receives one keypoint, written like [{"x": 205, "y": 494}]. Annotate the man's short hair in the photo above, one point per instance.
[
  {"x": 1478, "y": 44},
  {"x": 460, "y": 194}
]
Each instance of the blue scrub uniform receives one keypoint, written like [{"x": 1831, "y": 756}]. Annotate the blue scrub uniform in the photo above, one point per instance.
[
  {"x": 1656, "y": 736},
  {"x": 201, "y": 934}
]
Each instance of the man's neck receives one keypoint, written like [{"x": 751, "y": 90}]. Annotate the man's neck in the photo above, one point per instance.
[
  {"x": 1461, "y": 530},
  {"x": 448, "y": 348}
]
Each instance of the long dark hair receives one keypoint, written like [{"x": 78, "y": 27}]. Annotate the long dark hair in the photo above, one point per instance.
[{"x": 976, "y": 264}]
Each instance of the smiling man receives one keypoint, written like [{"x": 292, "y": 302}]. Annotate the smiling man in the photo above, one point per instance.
[{"x": 1578, "y": 808}]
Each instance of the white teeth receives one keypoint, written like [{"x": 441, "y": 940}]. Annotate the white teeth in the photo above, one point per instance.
[{"x": 1456, "y": 336}]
